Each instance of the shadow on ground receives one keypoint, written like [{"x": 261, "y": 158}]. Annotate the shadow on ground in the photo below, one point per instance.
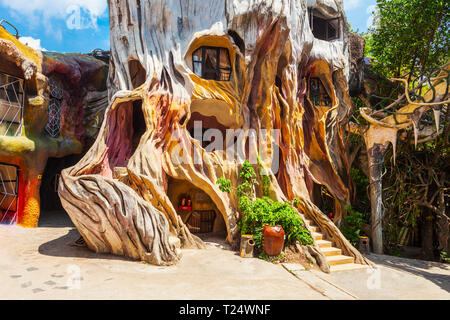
[
  {"x": 417, "y": 268},
  {"x": 64, "y": 247},
  {"x": 54, "y": 219}
]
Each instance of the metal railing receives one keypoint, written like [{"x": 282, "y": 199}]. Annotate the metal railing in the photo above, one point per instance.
[{"x": 4, "y": 21}]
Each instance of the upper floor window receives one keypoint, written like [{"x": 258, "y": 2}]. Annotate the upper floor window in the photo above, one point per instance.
[
  {"x": 212, "y": 63},
  {"x": 318, "y": 94},
  {"x": 11, "y": 105},
  {"x": 323, "y": 28},
  {"x": 53, "y": 125}
]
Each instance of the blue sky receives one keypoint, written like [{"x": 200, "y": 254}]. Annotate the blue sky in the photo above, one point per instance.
[{"x": 83, "y": 25}]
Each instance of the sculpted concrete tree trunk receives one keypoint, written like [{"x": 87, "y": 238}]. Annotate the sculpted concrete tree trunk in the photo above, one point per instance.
[
  {"x": 376, "y": 159},
  {"x": 254, "y": 67}
]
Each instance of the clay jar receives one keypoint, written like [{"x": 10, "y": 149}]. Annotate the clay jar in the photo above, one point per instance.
[{"x": 273, "y": 240}]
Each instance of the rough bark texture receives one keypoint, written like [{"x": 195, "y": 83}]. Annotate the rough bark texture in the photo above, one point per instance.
[
  {"x": 376, "y": 159},
  {"x": 273, "y": 55}
]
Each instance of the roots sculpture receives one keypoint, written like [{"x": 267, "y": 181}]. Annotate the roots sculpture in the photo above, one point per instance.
[{"x": 248, "y": 65}]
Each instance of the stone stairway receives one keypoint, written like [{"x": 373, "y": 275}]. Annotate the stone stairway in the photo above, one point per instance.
[{"x": 337, "y": 261}]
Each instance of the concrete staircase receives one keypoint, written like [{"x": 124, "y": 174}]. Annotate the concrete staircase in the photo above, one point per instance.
[{"x": 337, "y": 261}]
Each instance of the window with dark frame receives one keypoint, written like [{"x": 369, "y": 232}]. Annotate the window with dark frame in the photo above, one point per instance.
[
  {"x": 318, "y": 94},
  {"x": 11, "y": 105},
  {"x": 322, "y": 28},
  {"x": 53, "y": 126},
  {"x": 212, "y": 63},
  {"x": 9, "y": 189}
]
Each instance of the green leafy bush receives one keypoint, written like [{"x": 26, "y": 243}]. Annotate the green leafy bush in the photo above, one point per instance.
[
  {"x": 248, "y": 180},
  {"x": 224, "y": 184},
  {"x": 362, "y": 203},
  {"x": 256, "y": 213},
  {"x": 444, "y": 257},
  {"x": 264, "y": 211},
  {"x": 351, "y": 229}
]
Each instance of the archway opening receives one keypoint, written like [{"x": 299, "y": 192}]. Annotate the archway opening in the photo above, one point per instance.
[
  {"x": 52, "y": 212},
  {"x": 197, "y": 210},
  {"x": 126, "y": 126}
]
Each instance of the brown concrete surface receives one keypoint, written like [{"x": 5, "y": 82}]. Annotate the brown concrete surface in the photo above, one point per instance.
[{"x": 41, "y": 264}]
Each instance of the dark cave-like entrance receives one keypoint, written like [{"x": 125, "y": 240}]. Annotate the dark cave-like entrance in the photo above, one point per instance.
[
  {"x": 50, "y": 204},
  {"x": 323, "y": 199},
  {"x": 139, "y": 125},
  {"x": 126, "y": 128}
]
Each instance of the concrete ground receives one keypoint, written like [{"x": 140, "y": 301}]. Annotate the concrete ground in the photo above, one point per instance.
[
  {"x": 396, "y": 278},
  {"x": 41, "y": 264}
]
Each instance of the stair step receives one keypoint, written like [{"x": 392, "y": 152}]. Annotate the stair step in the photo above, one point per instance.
[
  {"x": 347, "y": 267},
  {"x": 324, "y": 243},
  {"x": 340, "y": 259},
  {"x": 317, "y": 236},
  {"x": 331, "y": 251},
  {"x": 314, "y": 229}
]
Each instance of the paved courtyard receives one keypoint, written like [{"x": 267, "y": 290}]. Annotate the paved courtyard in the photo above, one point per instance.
[{"x": 42, "y": 264}]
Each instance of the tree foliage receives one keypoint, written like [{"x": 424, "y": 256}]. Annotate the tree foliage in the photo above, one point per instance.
[
  {"x": 410, "y": 40},
  {"x": 409, "y": 37}
]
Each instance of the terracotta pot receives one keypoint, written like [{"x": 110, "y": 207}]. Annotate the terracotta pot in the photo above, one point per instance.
[{"x": 273, "y": 240}]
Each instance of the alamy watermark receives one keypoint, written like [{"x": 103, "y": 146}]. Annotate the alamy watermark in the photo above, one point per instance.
[
  {"x": 74, "y": 277},
  {"x": 374, "y": 279},
  {"x": 80, "y": 18},
  {"x": 236, "y": 145}
]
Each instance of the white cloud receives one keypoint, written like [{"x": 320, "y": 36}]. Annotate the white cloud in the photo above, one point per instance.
[
  {"x": 33, "y": 43},
  {"x": 351, "y": 4},
  {"x": 372, "y": 20},
  {"x": 82, "y": 13}
]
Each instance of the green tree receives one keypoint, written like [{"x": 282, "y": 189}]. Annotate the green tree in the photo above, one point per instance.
[
  {"x": 409, "y": 37},
  {"x": 410, "y": 40}
]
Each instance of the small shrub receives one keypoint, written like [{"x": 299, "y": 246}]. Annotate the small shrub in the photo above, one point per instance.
[
  {"x": 256, "y": 213},
  {"x": 351, "y": 229},
  {"x": 224, "y": 184},
  {"x": 248, "y": 180},
  {"x": 264, "y": 211},
  {"x": 444, "y": 257}
]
